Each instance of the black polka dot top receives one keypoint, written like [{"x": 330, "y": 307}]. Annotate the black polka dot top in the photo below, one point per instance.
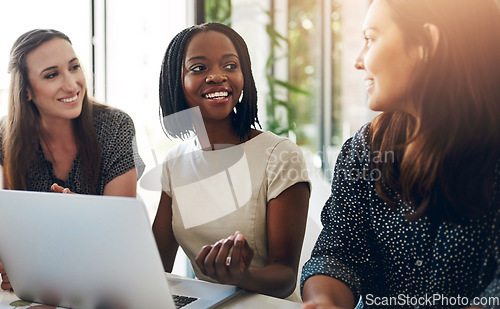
[{"x": 393, "y": 263}]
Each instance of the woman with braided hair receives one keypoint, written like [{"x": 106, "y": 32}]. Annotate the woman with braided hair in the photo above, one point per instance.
[{"x": 256, "y": 244}]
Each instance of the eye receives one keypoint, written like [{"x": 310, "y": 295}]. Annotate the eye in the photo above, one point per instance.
[
  {"x": 51, "y": 75},
  {"x": 75, "y": 67},
  {"x": 368, "y": 40},
  {"x": 197, "y": 68},
  {"x": 231, "y": 66}
]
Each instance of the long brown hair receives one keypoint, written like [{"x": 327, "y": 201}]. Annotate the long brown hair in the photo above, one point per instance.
[
  {"x": 23, "y": 131},
  {"x": 445, "y": 154}
]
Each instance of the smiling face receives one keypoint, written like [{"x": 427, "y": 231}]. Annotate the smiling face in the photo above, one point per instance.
[
  {"x": 212, "y": 77},
  {"x": 388, "y": 63},
  {"x": 56, "y": 81}
]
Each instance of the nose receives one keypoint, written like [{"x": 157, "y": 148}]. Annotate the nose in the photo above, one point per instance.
[
  {"x": 70, "y": 84},
  {"x": 216, "y": 78},
  {"x": 358, "y": 63}
]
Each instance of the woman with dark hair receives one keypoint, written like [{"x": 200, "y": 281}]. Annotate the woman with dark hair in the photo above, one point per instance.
[
  {"x": 55, "y": 138},
  {"x": 424, "y": 224},
  {"x": 234, "y": 198},
  {"x": 172, "y": 99}
]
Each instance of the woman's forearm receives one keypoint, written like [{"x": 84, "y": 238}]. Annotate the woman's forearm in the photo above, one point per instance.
[
  {"x": 327, "y": 291},
  {"x": 274, "y": 280}
]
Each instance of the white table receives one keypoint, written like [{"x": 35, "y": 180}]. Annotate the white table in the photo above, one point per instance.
[{"x": 243, "y": 300}]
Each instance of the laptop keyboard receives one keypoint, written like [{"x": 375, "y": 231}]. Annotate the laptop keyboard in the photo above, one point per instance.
[{"x": 181, "y": 301}]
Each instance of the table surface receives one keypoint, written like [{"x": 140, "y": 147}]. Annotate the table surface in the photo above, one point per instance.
[{"x": 244, "y": 300}]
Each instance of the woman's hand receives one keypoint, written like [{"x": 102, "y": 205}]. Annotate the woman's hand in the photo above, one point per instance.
[
  {"x": 5, "y": 280},
  {"x": 226, "y": 261},
  {"x": 58, "y": 189}
]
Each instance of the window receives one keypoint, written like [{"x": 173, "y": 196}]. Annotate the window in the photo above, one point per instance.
[
  {"x": 303, "y": 67},
  {"x": 302, "y": 59},
  {"x": 131, "y": 40}
]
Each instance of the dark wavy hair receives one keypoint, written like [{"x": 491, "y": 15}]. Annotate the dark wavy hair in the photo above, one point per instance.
[
  {"x": 22, "y": 128},
  {"x": 446, "y": 154},
  {"x": 172, "y": 98}
]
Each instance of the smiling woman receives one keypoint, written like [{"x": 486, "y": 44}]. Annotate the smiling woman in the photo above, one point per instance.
[
  {"x": 213, "y": 79},
  {"x": 55, "y": 138},
  {"x": 237, "y": 211},
  {"x": 426, "y": 221},
  {"x": 15, "y": 18},
  {"x": 57, "y": 85},
  {"x": 388, "y": 63}
]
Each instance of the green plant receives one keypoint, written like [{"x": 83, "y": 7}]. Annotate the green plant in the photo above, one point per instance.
[
  {"x": 275, "y": 121},
  {"x": 218, "y": 11}
]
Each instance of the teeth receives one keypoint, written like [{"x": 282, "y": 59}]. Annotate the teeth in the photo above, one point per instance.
[
  {"x": 217, "y": 95},
  {"x": 70, "y": 99}
]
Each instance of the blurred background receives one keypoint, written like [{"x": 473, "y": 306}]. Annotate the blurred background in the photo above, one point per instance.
[{"x": 302, "y": 55}]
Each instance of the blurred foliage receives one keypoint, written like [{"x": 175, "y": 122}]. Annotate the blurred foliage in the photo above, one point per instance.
[
  {"x": 275, "y": 121},
  {"x": 304, "y": 72},
  {"x": 336, "y": 116},
  {"x": 296, "y": 106},
  {"x": 218, "y": 11},
  {"x": 306, "y": 69}
]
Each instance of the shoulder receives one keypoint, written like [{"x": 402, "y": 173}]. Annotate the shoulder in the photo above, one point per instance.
[
  {"x": 110, "y": 116},
  {"x": 272, "y": 143},
  {"x": 113, "y": 127},
  {"x": 361, "y": 139},
  {"x": 186, "y": 146},
  {"x": 358, "y": 146},
  {"x": 276, "y": 152},
  {"x": 110, "y": 122}
]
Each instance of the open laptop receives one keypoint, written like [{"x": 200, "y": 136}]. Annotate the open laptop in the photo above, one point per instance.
[{"x": 83, "y": 251}]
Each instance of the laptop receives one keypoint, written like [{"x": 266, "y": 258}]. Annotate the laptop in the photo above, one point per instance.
[{"x": 82, "y": 251}]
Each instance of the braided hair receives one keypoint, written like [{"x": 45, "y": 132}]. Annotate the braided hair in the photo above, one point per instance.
[{"x": 172, "y": 100}]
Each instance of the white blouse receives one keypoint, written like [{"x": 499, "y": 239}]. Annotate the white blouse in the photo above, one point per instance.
[{"x": 215, "y": 193}]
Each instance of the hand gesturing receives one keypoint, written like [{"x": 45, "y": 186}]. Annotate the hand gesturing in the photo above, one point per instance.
[{"x": 227, "y": 260}]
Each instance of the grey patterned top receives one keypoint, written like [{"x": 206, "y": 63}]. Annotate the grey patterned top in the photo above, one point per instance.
[
  {"x": 116, "y": 136},
  {"x": 394, "y": 263}
]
